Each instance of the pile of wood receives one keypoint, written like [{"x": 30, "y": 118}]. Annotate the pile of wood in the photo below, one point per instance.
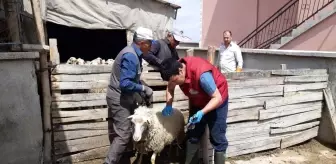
[{"x": 267, "y": 109}]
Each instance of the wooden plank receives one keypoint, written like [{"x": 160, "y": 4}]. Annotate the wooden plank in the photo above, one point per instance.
[
  {"x": 75, "y": 104},
  {"x": 246, "y": 135},
  {"x": 295, "y": 119},
  {"x": 77, "y": 134},
  {"x": 286, "y": 94},
  {"x": 232, "y": 132},
  {"x": 256, "y": 82},
  {"x": 79, "y": 97},
  {"x": 61, "y": 105},
  {"x": 242, "y": 124},
  {"x": 82, "y": 78},
  {"x": 295, "y": 128},
  {"x": 98, "y": 76},
  {"x": 271, "y": 94},
  {"x": 158, "y": 96},
  {"x": 81, "y": 69},
  {"x": 299, "y": 72},
  {"x": 81, "y": 144},
  {"x": 301, "y": 87},
  {"x": 240, "y": 92},
  {"x": 79, "y": 85},
  {"x": 299, "y": 138},
  {"x": 85, "y": 156},
  {"x": 289, "y": 110},
  {"x": 82, "y": 126},
  {"x": 238, "y": 112},
  {"x": 309, "y": 97},
  {"x": 255, "y": 146},
  {"x": 307, "y": 78},
  {"x": 248, "y": 74},
  {"x": 92, "y": 114},
  {"x": 249, "y": 102},
  {"x": 330, "y": 109},
  {"x": 243, "y": 115}
]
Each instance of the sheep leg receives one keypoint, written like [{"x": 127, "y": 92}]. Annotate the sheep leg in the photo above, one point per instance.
[
  {"x": 140, "y": 159},
  {"x": 153, "y": 158}
]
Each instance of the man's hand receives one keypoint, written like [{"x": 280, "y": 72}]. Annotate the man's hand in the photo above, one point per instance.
[
  {"x": 167, "y": 111},
  {"x": 147, "y": 90},
  {"x": 196, "y": 118},
  {"x": 239, "y": 69}
]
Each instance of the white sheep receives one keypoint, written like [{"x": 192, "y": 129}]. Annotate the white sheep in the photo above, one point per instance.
[
  {"x": 80, "y": 61},
  {"x": 153, "y": 131},
  {"x": 109, "y": 61},
  {"x": 71, "y": 60}
]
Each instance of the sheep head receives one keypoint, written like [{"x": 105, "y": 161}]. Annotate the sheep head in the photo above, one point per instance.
[{"x": 141, "y": 124}]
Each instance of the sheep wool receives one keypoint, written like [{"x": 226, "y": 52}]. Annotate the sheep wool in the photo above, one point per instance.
[{"x": 162, "y": 130}]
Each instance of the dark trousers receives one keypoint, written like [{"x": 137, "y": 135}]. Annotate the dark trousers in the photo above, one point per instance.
[
  {"x": 121, "y": 132},
  {"x": 216, "y": 121}
]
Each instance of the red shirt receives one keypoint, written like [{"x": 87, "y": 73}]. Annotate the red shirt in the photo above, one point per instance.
[{"x": 195, "y": 67}]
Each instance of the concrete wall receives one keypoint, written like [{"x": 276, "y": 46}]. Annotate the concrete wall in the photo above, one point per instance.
[
  {"x": 21, "y": 135},
  {"x": 239, "y": 16}
]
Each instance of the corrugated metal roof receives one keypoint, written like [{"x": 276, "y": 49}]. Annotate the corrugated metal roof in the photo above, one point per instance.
[{"x": 175, "y": 6}]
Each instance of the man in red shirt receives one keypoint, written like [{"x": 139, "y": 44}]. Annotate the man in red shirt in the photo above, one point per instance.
[{"x": 207, "y": 91}]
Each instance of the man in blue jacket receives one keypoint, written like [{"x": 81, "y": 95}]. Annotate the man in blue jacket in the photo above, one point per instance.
[{"x": 123, "y": 90}]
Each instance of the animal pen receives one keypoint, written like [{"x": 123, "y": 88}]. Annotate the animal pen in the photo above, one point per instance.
[{"x": 268, "y": 109}]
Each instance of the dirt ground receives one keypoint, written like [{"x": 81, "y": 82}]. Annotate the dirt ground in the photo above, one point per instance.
[{"x": 311, "y": 152}]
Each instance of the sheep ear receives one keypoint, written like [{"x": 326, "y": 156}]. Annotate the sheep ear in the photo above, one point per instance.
[{"x": 130, "y": 117}]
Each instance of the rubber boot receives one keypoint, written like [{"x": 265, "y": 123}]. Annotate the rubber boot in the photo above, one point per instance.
[
  {"x": 191, "y": 153},
  {"x": 219, "y": 157}
]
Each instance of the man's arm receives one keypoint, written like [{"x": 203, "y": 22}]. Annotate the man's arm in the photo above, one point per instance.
[
  {"x": 209, "y": 86},
  {"x": 128, "y": 73},
  {"x": 150, "y": 57},
  {"x": 170, "y": 94},
  {"x": 239, "y": 58}
]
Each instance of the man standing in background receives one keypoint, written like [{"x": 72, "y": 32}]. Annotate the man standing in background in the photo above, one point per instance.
[
  {"x": 164, "y": 48},
  {"x": 230, "y": 57}
]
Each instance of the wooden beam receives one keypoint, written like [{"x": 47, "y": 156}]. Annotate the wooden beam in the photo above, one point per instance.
[
  {"x": 60, "y": 105},
  {"x": 54, "y": 54},
  {"x": 82, "y": 126},
  {"x": 301, "y": 87},
  {"x": 299, "y": 72},
  {"x": 243, "y": 114},
  {"x": 257, "y": 82},
  {"x": 82, "y": 144},
  {"x": 299, "y": 138},
  {"x": 309, "y": 97},
  {"x": 331, "y": 111},
  {"x": 248, "y": 91},
  {"x": 249, "y": 102},
  {"x": 307, "y": 78},
  {"x": 295, "y": 128},
  {"x": 85, "y": 156},
  {"x": 289, "y": 110},
  {"x": 77, "y": 134},
  {"x": 295, "y": 119},
  {"x": 254, "y": 146},
  {"x": 158, "y": 96}
]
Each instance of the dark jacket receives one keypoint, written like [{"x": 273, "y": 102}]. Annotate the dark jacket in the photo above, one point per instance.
[{"x": 160, "y": 50}]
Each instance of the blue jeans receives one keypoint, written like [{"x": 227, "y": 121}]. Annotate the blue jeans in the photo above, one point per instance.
[{"x": 216, "y": 121}]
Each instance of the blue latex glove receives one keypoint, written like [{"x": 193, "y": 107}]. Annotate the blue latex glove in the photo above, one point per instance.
[
  {"x": 196, "y": 118},
  {"x": 167, "y": 111}
]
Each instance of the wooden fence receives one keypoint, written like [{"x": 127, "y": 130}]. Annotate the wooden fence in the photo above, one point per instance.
[{"x": 267, "y": 109}]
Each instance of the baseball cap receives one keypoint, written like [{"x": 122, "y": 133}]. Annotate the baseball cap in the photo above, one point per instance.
[
  {"x": 144, "y": 33},
  {"x": 178, "y": 35}
]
